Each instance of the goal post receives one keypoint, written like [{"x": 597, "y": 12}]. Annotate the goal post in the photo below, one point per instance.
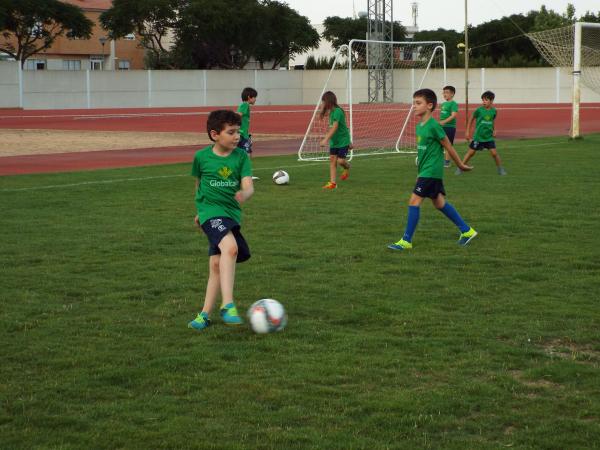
[
  {"x": 576, "y": 46},
  {"x": 379, "y": 115}
]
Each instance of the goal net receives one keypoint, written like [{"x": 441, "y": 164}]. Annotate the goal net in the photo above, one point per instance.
[
  {"x": 374, "y": 82},
  {"x": 578, "y": 47}
]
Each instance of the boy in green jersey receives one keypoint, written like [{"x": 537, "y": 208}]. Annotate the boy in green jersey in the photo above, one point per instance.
[
  {"x": 448, "y": 113},
  {"x": 485, "y": 131},
  {"x": 431, "y": 140},
  {"x": 248, "y": 99},
  {"x": 223, "y": 175}
]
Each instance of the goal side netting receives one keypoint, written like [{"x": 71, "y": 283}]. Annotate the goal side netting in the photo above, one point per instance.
[
  {"x": 374, "y": 82},
  {"x": 576, "y": 47}
]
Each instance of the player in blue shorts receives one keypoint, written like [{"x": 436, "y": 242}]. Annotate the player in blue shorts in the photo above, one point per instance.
[
  {"x": 431, "y": 142},
  {"x": 485, "y": 132}
]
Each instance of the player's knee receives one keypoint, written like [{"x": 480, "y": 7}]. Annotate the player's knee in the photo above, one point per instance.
[
  {"x": 214, "y": 265},
  {"x": 230, "y": 249}
]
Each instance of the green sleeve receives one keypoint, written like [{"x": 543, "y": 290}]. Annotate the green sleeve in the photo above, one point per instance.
[
  {"x": 438, "y": 132},
  {"x": 246, "y": 170},
  {"x": 243, "y": 108},
  {"x": 196, "y": 168},
  {"x": 454, "y": 107}
]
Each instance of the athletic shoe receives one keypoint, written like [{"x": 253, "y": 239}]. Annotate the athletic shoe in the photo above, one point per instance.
[
  {"x": 345, "y": 175},
  {"x": 458, "y": 171},
  {"x": 230, "y": 316},
  {"x": 501, "y": 171},
  {"x": 200, "y": 322},
  {"x": 447, "y": 163},
  {"x": 400, "y": 245},
  {"x": 255, "y": 178},
  {"x": 466, "y": 237},
  {"x": 330, "y": 185}
]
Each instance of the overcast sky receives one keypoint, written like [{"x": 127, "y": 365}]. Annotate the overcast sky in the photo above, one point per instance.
[{"x": 431, "y": 13}]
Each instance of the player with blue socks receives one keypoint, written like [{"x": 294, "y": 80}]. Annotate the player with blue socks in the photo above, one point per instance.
[{"x": 431, "y": 142}]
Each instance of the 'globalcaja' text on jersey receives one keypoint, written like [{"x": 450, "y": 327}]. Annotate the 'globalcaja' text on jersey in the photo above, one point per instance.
[{"x": 220, "y": 178}]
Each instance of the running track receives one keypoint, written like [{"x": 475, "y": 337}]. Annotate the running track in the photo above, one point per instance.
[{"x": 514, "y": 121}]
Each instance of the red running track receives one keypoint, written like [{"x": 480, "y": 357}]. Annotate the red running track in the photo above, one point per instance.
[{"x": 514, "y": 121}]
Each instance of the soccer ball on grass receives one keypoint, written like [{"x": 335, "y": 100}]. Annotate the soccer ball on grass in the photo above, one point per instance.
[
  {"x": 281, "y": 177},
  {"x": 267, "y": 316}
]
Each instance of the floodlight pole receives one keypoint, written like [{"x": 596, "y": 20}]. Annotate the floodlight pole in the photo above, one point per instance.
[{"x": 466, "y": 68}]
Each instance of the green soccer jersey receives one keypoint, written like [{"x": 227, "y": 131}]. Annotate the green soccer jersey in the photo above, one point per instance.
[
  {"x": 446, "y": 111},
  {"x": 341, "y": 137},
  {"x": 220, "y": 178},
  {"x": 430, "y": 150},
  {"x": 244, "y": 110},
  {"x": 484, "y": 124}
]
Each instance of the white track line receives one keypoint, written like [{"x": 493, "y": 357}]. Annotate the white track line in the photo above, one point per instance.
[{"x": 158, "y": 177}]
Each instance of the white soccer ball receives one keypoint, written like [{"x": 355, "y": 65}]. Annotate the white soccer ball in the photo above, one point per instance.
[
  {"x": 267, "y": 316},
  {"x": 281, "y": 177}
]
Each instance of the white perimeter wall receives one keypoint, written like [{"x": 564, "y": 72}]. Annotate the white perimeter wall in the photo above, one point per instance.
[{"x": 53, "y": 89}]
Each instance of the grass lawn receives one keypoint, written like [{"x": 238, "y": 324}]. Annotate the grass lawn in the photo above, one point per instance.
[{"x": 490, "y": 346}]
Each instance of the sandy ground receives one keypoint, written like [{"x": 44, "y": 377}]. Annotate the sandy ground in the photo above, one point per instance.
[{"x": 38, "y": 142}]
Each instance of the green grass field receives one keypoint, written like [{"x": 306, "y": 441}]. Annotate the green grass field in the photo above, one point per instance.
[{"x": 490, "y": 346}]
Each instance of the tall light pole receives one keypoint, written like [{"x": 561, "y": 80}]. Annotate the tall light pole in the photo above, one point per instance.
[{"x": 466, "y": 67}]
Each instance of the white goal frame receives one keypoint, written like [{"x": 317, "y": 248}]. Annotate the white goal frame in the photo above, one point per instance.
[{"x": 439, "y": 46}]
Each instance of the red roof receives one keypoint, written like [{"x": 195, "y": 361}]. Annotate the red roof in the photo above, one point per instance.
[{"x": 96, "y": 5}]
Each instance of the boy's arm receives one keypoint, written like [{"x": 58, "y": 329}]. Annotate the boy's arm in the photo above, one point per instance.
[
  {"x": 332, "y": 129},
  {"x": 448, "y": 119},
  {"x": 452, "y": 153},
  {"x": 196, "y": 219},
  {"x": 468, "y": 130},
  {"x": 246, "y": 191}
]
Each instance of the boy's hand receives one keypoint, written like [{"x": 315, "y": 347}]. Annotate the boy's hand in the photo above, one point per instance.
[
  {"x": 494, "y": 133},
  {"x": 465, "y": 168},
  {"x": 350, "y": 146},
  {"x": 323, "y": 143},
  {"x": 197, "y": 220},
  {"x": 467, "y": 137},
  {"x": 240, "y": 197}
]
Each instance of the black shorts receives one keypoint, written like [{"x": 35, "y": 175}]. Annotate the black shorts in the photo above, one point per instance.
[
  {"x": 476, "y": 145},
  {"x": 246, "y": 144},
  {"x": 429, "y": 187},
  {"x": 340, "y": 152},
  {"x": 217, "y": 228},
  {"x": 450, "y": 132}
]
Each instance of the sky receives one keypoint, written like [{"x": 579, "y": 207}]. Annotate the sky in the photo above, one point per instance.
[{"x": 432, "y": 16}]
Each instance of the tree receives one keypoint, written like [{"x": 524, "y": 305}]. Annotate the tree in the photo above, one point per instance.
[
  {"x": 340, "y": 31},
  {"x": 30, "y": 26},
  {"x": 449, "y": 37},
  {"x": 283, "y": 33},
  {"x": 547, "y": 19},
  {"x": 152, "y": 20}
]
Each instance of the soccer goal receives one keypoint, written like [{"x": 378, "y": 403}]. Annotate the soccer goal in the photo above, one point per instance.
[
  {"x": 576, "y": 46},
  {"x": 374, "y": 82}
]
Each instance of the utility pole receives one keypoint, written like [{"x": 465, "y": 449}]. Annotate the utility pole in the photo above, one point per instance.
[{"x": 466, "y": 66}]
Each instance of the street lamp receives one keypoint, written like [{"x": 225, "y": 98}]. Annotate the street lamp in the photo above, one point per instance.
[{"x": 103, "y": 40}]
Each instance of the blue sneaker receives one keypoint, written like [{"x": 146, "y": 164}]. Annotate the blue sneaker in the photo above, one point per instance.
[
  {"x": 230, "y": 316},
  {"x": 200, "y": 322},
  {"x": 466, "y": 237},
  {"x": 400, "y": 245}
]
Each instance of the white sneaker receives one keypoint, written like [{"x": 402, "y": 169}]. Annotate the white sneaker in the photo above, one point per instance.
[{"x": 255, "y": 178}]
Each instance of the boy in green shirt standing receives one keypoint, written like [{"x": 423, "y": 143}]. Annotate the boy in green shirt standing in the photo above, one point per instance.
[
  {"x": 448, "y": 113},
  {"x": 223, "y": 175},
  {"x": 248, "y": 99},
  {"x": 485, "y": 132},
  {"x": 431, "y": 139}
]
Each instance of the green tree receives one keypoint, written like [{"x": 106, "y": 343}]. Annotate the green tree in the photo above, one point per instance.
[
  {"x": 31, "y": 26},
  {"x": 283, "y": 33},
  {"x": 152, "y": 20},
  {"x": 547, "y": 19},
  {"x": 449, "y": 37}
]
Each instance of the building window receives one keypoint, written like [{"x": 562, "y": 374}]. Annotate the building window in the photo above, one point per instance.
[
  {"x": 71, "y": 64},
  {"x": 129, "y": 37},
  {"x": 35, "y": 64},
  {"x": 124, "y": 64},
  {"x": 96, "y": 62}
]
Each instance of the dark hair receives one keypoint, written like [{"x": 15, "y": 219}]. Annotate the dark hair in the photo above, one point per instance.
[
  {"x": 450, "y": 88},
  {"x": 489, "y": 95},
  {"x": 217, "y": 120},
  {"x": 249, "y": 92},
  {"x": 330, "y": 101},
  {"x": 428, "y": 95}
]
